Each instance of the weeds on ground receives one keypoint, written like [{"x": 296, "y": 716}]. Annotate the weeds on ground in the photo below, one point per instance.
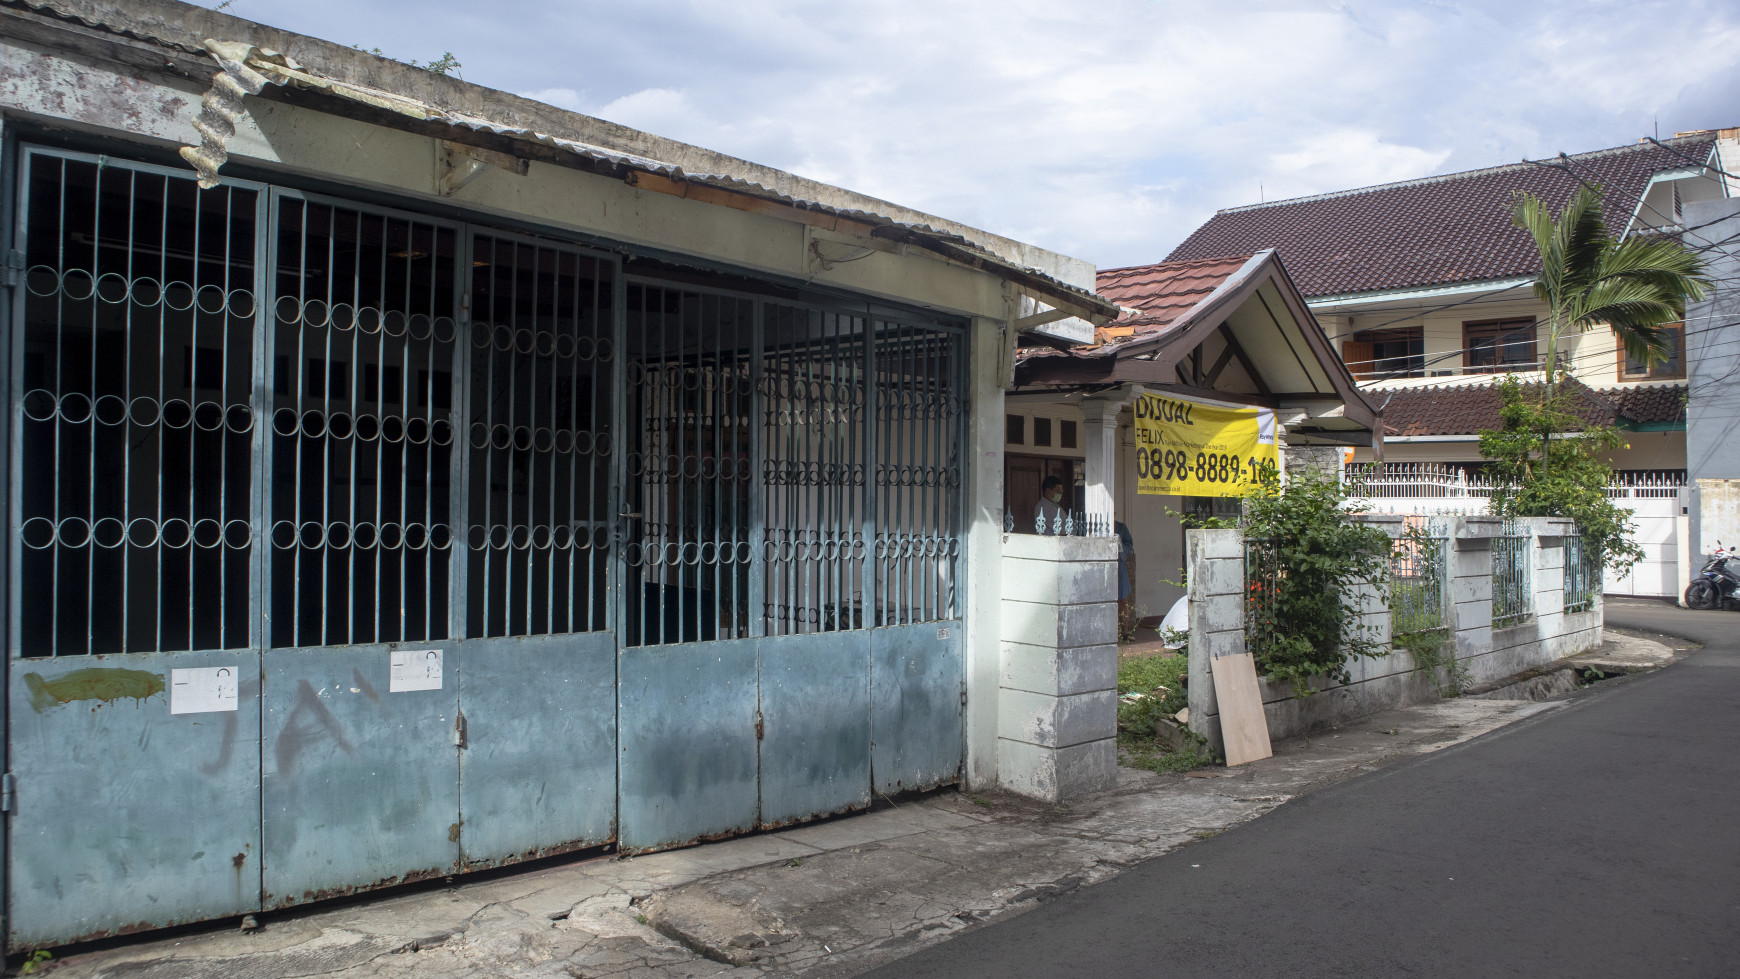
[
  {"x": 1151, "y": 693},
  {"x": 1434, "y": 654}
]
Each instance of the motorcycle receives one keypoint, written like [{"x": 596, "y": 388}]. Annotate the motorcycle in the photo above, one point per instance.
[{"x": 1717, "y": 586}]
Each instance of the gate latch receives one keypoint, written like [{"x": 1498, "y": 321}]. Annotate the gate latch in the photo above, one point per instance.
[
  {"x": 459, "y": 731},
  {"x": 760, "y": 730},
  {"x": 5, "y": 791}
]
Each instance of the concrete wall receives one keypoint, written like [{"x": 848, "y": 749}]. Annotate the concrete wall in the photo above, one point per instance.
[
  {"x": 1217, "y": 585},
  {"x": 1712, "y": 367},
  {"x": 1057, "y": 717}
]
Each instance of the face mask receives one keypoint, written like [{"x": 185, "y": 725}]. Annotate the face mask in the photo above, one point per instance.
[{"x": 1057, "y": 497}]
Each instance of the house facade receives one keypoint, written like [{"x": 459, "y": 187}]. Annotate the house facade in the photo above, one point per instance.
[
  {"x": 1230, "y": 333},
  {"x": 406, "y": 478},
  {"x": 1426, "y": 288},
  {"x": 1426, "y": 284}
]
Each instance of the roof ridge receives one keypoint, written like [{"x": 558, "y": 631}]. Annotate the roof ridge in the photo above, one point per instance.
[
  {"x": 1677, "y": 141},
  {"x": 1179, "y": 262}
]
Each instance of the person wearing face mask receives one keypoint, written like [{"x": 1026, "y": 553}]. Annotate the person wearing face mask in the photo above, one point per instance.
[{"x": 1050, "y": 505}]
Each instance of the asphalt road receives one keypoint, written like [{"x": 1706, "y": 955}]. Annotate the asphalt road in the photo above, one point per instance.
[{"x": 1602, "y": 839}]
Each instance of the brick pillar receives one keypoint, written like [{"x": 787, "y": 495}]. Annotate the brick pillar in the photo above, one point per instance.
[
  {"x": 1215, "y": 562},
  {"x": 1057, "y": 708}
]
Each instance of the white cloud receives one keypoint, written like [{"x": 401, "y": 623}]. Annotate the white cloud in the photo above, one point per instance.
[
  {"x": 1107, "y": 130},
  {"x": 1343, "y": 158}
]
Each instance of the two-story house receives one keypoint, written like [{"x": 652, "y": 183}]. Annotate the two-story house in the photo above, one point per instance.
[{"x": 1425, "y": 286}]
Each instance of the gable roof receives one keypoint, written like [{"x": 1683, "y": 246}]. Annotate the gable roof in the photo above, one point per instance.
[
  {"x": 1433, "y": 231},
  {"x": 1471, "y": 405},
  {"x": 1171, "y": 308}
]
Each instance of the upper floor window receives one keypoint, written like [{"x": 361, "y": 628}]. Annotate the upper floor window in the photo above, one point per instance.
[
  {"x": 1493, "y": 346},
  {"x": 1635, "y": 369},
  {"x": 1387, "y": 353}
]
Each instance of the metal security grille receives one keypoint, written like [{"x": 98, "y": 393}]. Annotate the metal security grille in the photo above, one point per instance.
[
  {"x": 1264, "y": 616},
  {"x": 362, "y": 397},
  {"x": 689, "y": 394},
  {"x": 816, "y": 444},
  {"x": 542, "y": 355},
  {"x": 131, "y": 404},
  {"x": 1582, "y": 574},
  {"x": 1418, "y": 572},
  {"x": 918, "y": 426},
  {"x": 1510, "y": 574}
]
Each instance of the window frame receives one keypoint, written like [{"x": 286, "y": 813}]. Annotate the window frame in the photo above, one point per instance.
[
  {"x": 1655, "y": 372},
  {"x": 1493, "y": 330},
  {"x": 1413, "y": 364}
]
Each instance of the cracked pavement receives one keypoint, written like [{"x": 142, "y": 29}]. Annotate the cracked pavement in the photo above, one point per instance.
[{"x": 827, "y": 899}]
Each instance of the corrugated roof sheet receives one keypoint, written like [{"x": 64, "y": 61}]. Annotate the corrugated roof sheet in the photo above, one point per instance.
[{"x": 1428, "y": 232}]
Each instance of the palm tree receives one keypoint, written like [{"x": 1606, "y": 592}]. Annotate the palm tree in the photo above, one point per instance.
[{"x": 1634, "y": 285}]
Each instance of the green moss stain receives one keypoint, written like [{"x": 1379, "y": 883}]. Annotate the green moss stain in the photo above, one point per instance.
[{"x": 107, "y": 685}]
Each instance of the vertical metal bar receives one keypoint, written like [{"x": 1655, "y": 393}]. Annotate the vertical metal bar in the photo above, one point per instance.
[
  {"x": 757, "y": 488},
  {"x": 459, "y": 459},
  {"x": 616, "y": 424},
  {"x": 870, "y": 528},
  {"x": 15, "y": 178},
  {"x": 259, "y": 397}
]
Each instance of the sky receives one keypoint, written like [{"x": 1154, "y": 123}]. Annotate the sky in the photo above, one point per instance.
[{"x": 1103, "y": 129}]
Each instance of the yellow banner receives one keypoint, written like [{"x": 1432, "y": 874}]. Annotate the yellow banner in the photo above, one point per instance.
[{"x": 1189, "y": 449}]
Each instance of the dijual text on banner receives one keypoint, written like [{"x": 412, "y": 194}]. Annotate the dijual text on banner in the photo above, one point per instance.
[{"x": 1189, "y": 449}]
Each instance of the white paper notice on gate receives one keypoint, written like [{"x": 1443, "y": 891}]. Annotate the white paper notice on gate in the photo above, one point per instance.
[
  {"x": 203, "y": 689},
  {"x": 414, "y": 669}
]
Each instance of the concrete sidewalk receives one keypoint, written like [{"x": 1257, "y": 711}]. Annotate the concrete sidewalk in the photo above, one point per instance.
[{"x": 822, "y": 900}]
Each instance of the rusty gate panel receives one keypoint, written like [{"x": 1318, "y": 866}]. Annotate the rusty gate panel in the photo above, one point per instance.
[
  {"x": 916, "y": 678},
  {"x": 687, "y": 743},
  {"x": 815, "y": 707},
  {"x": 360, "y": 768},
  {"x": 127, "y": 816},
  {"x": 538, "y": 766}
]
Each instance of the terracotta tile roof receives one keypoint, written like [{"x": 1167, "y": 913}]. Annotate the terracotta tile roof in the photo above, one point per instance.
[
  {"x": 1467, "y": 409},
  {"x": 1161, "y": 293},
  {"x": 1470, "y": 408},
  {"x": 1646, "y": 403},
  {"x": 1433, "y": 231}
]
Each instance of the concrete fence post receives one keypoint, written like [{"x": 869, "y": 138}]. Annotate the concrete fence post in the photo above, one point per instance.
[
  {"x": 1470, "y": 561},
  {"x": 1215, "y": 584},
  {"x": 1057, "y": 709}
]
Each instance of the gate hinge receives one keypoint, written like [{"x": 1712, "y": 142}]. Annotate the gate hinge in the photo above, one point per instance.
[
  {"x": 13, "y": 268},
  {"x": 5, "y": 791},
  {"x": 963, "y": 693},
  {"x": 459, "y": 730},
  {"x": 760, "y": 730}
]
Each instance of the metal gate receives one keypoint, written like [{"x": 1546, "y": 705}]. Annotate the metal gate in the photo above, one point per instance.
[
  {"x": 133, "y": 671},
  {"x": 351, "y": 546},
  {"x": 792, "y": 499}
]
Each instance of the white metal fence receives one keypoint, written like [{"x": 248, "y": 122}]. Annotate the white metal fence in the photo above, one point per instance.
[{"x": 1656, "y": 498}]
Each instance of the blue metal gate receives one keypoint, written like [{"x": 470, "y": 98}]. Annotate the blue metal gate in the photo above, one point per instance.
[
  {"x": 132, "y": 675},
  {"x": 388, "y": 547},
  {"x": 538, "y": 667}
]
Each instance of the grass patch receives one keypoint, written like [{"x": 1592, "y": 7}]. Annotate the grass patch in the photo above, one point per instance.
[{"x": 1160, "y": 681}]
